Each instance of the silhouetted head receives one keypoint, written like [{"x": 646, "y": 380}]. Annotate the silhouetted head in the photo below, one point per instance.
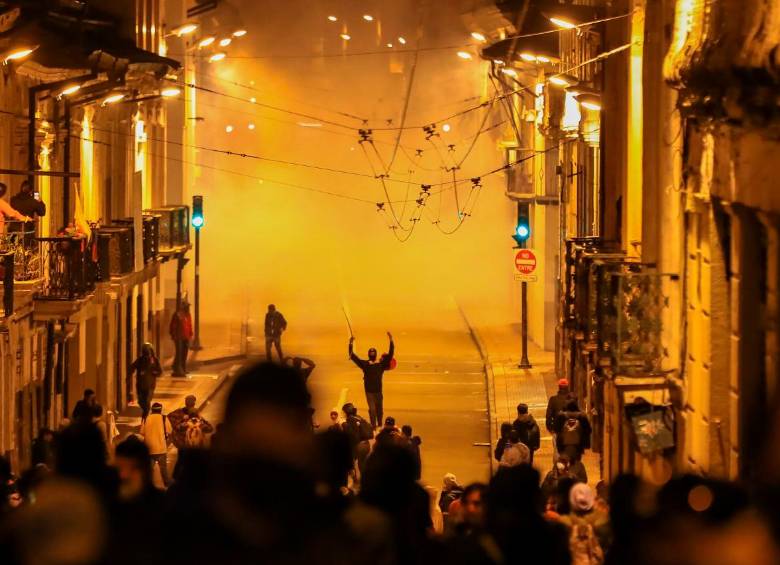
[
  {"x": 372, "y": 354},
  {"x": 389, "y": 422},
  {"x": 89, "y": 396},
  {"x": 268, "y": 414},
  {"x": 271, "y": 308},
  {"x": 406, "y": 429},
  {"x": 349, "y": 409},
  {"x": 522, "y": 408},
  {"x": 134, "y": 466},
  {"x": 26, "y": 187},
  {"x": 513, "y": 436},
  {"x": 157, "y": 408},
  {"x": 506, "y": 427},
  {"x": 147, "y": 350},
  {"x": 189, "y": 401},
  {"x": 571, "y": 406},
  {"x": 563, "y": 384}
]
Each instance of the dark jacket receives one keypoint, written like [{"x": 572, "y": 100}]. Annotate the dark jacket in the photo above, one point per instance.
[
  {"x": 26, "y": 203},
  {"x": 373, "y": 372},
  {"x": 275, "y": 324},
  {"x": 585, "y": 429},
  {"x": 528, "y": 430},
  {"x": 147, "y": 371},
  {"x": 555, "y": 405}
]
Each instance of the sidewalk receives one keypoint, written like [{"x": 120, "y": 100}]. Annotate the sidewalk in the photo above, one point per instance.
[
  {"x": 508, "y": 386},
  {"x": 170, "y": 392}
]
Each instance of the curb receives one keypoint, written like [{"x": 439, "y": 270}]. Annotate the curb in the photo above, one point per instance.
[
  {"x": 490, "y": 393},
  {"x": 223, "y": 378}
]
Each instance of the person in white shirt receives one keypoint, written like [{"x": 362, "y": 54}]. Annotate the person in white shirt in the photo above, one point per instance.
[{"x": 156, "y": 431}]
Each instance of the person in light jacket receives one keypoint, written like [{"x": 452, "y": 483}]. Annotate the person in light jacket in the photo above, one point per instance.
[{"x": 156, "y": 431}]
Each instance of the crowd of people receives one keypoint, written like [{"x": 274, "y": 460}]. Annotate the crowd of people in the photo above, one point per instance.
[{"x": 269, "y": 489}]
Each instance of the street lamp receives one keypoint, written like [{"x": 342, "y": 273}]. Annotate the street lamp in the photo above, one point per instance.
[
  {"x": 206, "y": 41},
  {"x": 239, "y": 33},
  {"x": 113, "y": 99},
  {"x": 185, "y": 29},
  {"x": 19, "y": 53},
  {"x": 170, "y": 92},
  {"x": 217, "y": 57},
  {"x": 225, "y": 42}
]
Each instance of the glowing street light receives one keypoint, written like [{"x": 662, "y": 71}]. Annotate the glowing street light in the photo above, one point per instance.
[
  {"x": 510, "y": 72},
  {"x": 402, "y": 41},
  {"x": 368, "y": 17},
  {"x": 206, "y": 41},
  {"x": 251, "y": 127},
  {"x": 239, "y": 33},
  {"x": 446, "y": 127},
  {"x": 113, "y": 99},
  {"x": 185, "y": 29},
  {"x": 478, "y": 36},
  {"x": 333, "y": 18},
  {"x": 253, "y": 100},
  {"x": 17, "y": 54},
  {"x": 67, "y": 91},
  {"x": 345, "y": 36},
  {"x": 595, "y": 106},
  {"x": 563, "y": 23},
  {"x": 390, "y": 45},
  {"x": 225, "y": 42},
  {"x": 563, "y": 80},
  {"x": 170, "y": 92},
  {"x": 464, "y": 55},
  {"x": 530, "y": 57},
  {"x": 229, "y": 129},
  {"x": 216, "y": 57}
]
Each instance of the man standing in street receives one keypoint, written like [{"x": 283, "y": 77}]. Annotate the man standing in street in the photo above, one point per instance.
[
  {"x": 527, "y": 429},
  {"x": 275, "y": 324},
  {"x": 156, "y": 431},
  {"x": 555, "y": 405},
  {"x": 373, "y": 370},
  {"x": 181, "y": 334}
]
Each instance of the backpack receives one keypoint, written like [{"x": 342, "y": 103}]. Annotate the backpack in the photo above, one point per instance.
[
  {"x": 571, "y": 432},
  {"x": 584, "y": 546},
  {"x": 391, "y": 363},
  {"x": 194, "y": 437},
  {"x": 365, "y": 431}
]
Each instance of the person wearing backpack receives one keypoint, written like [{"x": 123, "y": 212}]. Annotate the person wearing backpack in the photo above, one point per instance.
[
  {"x": 588, "y": 527},
  {"x": 359, "y": 432},
  {"x": 194, "y": 430},
  {"x": 527, "y": 429},
  {"x": 373, "y": 370},
  {"x": 555, "y": 405},
  {"x": 572, "y": 431},
  {"x": 157, "y": 433},
  {"x": 515, "y": 452}
]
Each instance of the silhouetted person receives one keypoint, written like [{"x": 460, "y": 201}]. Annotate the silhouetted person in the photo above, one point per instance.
[
  {"x": 527, "y": 430},
  {"x": 572, "y": 431},
  {"x": 27, "y": 204},
  {"x": 502, "y": 441},
  {"x": 373, "y": 371},
  {"x": 360, "y": 432},
  {"x": 515, "y": 523},
  {"x": 301, "y": 364},
  {"x": 181, "y": 334},
  {"x": 556, "y": 404},
  {"x": 43, "y": 448},
  {"x": 147, "y": 369},
  {"x": 414, "y": 443},
  {"x": 275, "y": 325},
  {"x": 156, "y": 430},
  {"x": 138, "y": 520},
  {"x": 6, "y": 210},
  {"x": 85, "y": 408}
]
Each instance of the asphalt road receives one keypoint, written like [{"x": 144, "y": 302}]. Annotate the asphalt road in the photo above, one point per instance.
[{"x": 438, "y": 388}]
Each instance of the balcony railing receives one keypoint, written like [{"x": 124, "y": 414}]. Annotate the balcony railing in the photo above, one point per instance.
[
  {"x": 116, "y": 245},
  {"x": 174, "y": 226},
  {"x": 151, "y": 236},
  {"x": 70, "y": 266},
  {"x": 21, "y": 242}
]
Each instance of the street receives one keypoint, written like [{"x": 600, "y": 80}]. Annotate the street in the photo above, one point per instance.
[{"x": 438, "y": 388}]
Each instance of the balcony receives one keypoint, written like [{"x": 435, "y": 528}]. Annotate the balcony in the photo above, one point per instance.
[
  {"x": 26, "y": 251},
  {"x": 116, "y": 247},
  {"x": 71, "y": 268},
  {"x": 173, "y": 227}
]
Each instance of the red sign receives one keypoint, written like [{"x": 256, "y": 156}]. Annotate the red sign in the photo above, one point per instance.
[{"x": 525, "y": 262}]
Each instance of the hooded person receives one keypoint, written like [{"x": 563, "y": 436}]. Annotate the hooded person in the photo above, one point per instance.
[
  {"x": 588, "y": 527},
  {"x": 451, "y": 491},
  {"x": 146, "y": 368},
  {"x": 373, "y": 370},
  {"x": 527, "y": 430}
]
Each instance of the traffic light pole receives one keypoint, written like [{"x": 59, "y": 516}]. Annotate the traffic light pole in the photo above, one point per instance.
[
  {"x": 524, "y": 362},
  {"x": 196, "y": 346}
]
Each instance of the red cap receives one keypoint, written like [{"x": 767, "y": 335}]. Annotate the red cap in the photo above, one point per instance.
[{"x": 563, "y": 383}]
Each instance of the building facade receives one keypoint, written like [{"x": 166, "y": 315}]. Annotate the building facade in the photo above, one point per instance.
[
  {"x": 84, "y": 120},
  {"x": 653, "y": 132}
]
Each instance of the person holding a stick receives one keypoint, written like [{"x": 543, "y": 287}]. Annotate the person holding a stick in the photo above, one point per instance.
[{"x": 373, "y": 370}]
